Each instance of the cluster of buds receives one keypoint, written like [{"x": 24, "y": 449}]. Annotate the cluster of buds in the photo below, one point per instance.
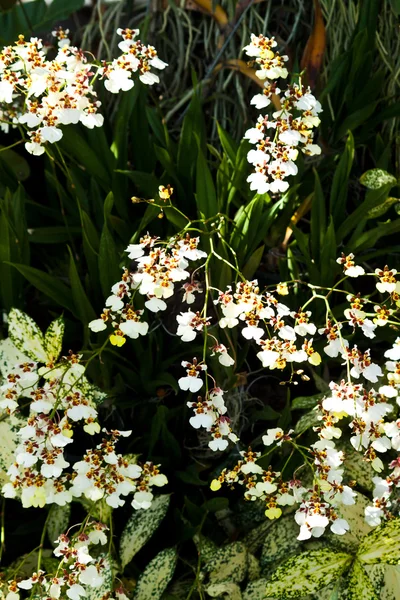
[
  {"x": 43, "y": 95},
  {"x": 292, "y": 123}
]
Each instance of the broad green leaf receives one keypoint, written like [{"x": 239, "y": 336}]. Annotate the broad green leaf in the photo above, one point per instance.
[
  {"x": 307, "y": 573},
  {"x": 228, "y": 144},
  {"x": 309, "y": 419},
  {"x": 108, "y": 255},
  {"x": 154, "y": 580},
  {"x": 377, "y": 178},
  {"x": 75, "y": 145},
  {"x": 48, "y": 285},
  {"x": 382, "y": 545},
  {"x": 53, "y": 339},
  {"x": 373, "y": 198},
  {"x": 57, "y": 522},
  {"x": 140, "y": 527},
  {"x": 26, "y": 335},
  {"x": 229, "y": 563},
  {"x": 281, "y": 541},
  {"x": 253, "y": 263},
  {"x": 105, "y": 589},
  {"x": 205, "y": 191},
  {"x": 228, "y": 590},
  {"x": 10, "y": 356},
  {"x": 9, "y": 429},
  {"x": 16, "y": 163},
  {"x": 83, "y": 308},
  {"x": 359, "y": 585}
]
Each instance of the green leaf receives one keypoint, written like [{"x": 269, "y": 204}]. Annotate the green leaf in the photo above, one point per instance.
[
  {"x": 57, "y": 522},
  {"x": 359, "y": 528},
  {"x": 205, "y": 191},
  {"x": 256, "y": 590},
  {"x": 381, "y": 209},
  {"x": 83, "y": 308},
  {"x": 357, "y": 468},
  {"x": 391, "y": 582},
  {"x": 154, "y": 580},
  {"x": 16, "y": 163},
  {"x": 108, "y": 255},
  {"x": 75, "y": 145},
  {"x": 229, "y": 563},
  {"x": 382, "y": 545},
  {"x": 359, "y": 585},
  {"x": 374, "y": 179},
  {"x": 140, "y": 527},
  {"x": 253, "y": 263},
  {"x": 53, "y": 339},
  {"x": 340, "y": 181},
  {"x": 26, "y": 335},
  {"x": 228, "y": 144},
  {"x": 307, "y": 573},
  {"x": 318, "y": 218},
  {"x": 372, "y": 199},
  {"x": 48, "y": 285}
]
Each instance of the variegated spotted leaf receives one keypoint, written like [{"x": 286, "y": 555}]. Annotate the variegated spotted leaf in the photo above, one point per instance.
[
  {"x": 9, "y": 428},
  {"x": 374, "y": 179},
  {"x": 156, "y": 576},
  {"x": 229, "y": 563},
  {"x": 254, "y": 539},
  {"x": 226, "y": 590},
  {"x": 281, "y": 541},
  {"x": 91, "y": 392},
  {"x": 376, "y": 574},
  {"x": 359, "y": 585},
  {"x": 256, "y": 590},
  {"x": 53, "y": 339},
  {"x": 359, "y": 528},
  {"x": 103, "y": 591},
  {"x": 205, "y": 547},
  {"x": 356, "y": 468},
  {"x": 141, "y": 527},
  {"x": 306, "y": 421},
  {"x": 307, "y": 573},
  {"x": 391, "y": 583},
  {"x": 10, "y": 356},
  {"x": 382, "y": 545},
  {"x": 253, "y": 567},
  {"x": 26, "y": 335},
  {"x": 57, "y": 522},
  {"x": 98, "y": 509}
]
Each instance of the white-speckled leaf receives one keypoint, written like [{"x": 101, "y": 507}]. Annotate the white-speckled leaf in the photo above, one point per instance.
[
  {"x": 356, "y": 468},
  {"x": 307, "y": 573},
  {"x": 382, "y": 545},
  {"x": 91, "y": 392},
  {"x": 306, "y": 421},
  {"x": 103, "y": 591},
  {"x": 374, "y": 179},
  {"x": 58, "y": 522},
  {"x": 141, "y": 527},
  {"x": 359, "y": 586},
  {"x": 256, "y": 590},
  {"x": 53, "y": 339},
  {"x": 253, "y": 567},
  {"x": 9, "y": 440},
  {"x": 156, "y": 576},
  {"x": 281, "y": 541},
  {"x": 391, "y": 583},
  {"x": 10, "y": 356},
  {"x": 26, "y": 335},
  {"x": 229, "y": 563},
  {"x": 227, "y": 590},
  {"x": 205, "y": 547},
  {"x": 359, "y": 528}
]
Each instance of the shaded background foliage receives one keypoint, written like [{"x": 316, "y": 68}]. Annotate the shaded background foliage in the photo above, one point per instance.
[{"x": 65, "y": 222}]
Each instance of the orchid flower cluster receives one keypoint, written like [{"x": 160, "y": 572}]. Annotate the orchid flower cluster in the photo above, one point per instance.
[
  {"x": 78, "y": 573},
  {"x": 292, "y": 122},
  {"x": 358, "y": 404},
  {"x": 59, "y": 397},
  {"x": 45, "y": 94}
]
